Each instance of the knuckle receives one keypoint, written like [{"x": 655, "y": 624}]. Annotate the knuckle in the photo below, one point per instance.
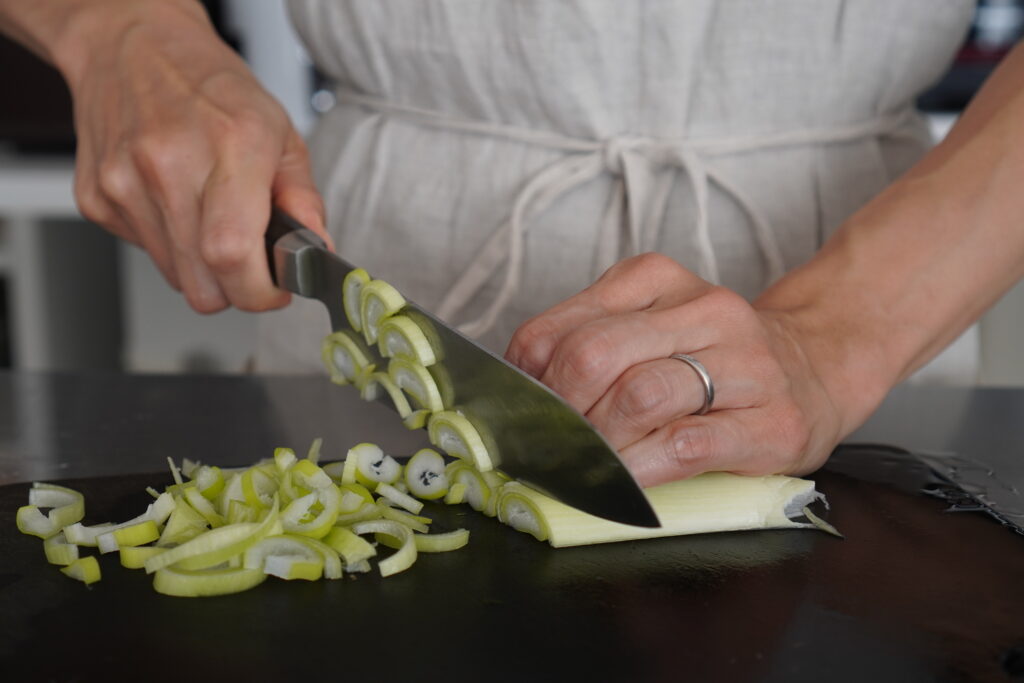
[
  {"x": 532, "y": 343},
  {"x": 204, "y": 302},
  {"x": 689, "y": 446},
  {"x": 224, "y": 251},
  {"x": 250, "y": 126},
  {"x": 156, "y": 155},
  {"x": 644, "y": 396},
  {"x": 584, "y": 359},
  {"x": 116, "y": 181},
  {"x": 90, "y": 203}
]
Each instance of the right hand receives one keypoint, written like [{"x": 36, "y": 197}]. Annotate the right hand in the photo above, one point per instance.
[{"x": 181, "y": 151}]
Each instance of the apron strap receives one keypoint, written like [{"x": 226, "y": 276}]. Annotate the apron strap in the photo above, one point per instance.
[{"x": 643, "y": 187}]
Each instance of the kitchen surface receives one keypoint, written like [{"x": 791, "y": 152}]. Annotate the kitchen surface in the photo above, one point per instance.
[{"x": 914, "y": 591}]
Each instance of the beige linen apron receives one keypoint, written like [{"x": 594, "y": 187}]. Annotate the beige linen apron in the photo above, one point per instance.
[{"x": 492, "y": 157}]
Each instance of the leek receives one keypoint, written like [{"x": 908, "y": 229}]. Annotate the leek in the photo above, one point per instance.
[
  {"x": 84, "y": 569},
  {"x": 351, "y": 296},
  {"x": 425, "y": 475},
  {"x": 67, "y": 507},
  {"x": 416, "y": 381},
  {"x": 716, "y": 501},
  {"x": 345, "y": 357},
  {"x": 400, "y": 337},
  {"x": 456, "y": 436},
  {"x": 377, "y": 300}
]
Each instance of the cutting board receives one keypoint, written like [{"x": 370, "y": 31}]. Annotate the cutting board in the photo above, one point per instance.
[{"x": 912, "y": 593}]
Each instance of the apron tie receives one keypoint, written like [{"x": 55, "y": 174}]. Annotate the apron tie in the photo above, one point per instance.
[{"x": 641, "y": 191}]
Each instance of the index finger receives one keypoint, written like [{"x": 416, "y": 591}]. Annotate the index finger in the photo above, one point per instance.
[{"x": 634, "y": 284}]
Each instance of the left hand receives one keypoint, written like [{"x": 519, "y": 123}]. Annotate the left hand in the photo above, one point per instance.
[{"x": 606, "y": 351}]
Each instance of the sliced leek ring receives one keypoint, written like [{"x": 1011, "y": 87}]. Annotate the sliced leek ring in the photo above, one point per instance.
[
  {"x": 456, "y": 436},
  {"x": 404, "y": 557},
  {"x": 377, "y": 300},
  {"x": 204, "y": 507},
  {"x": 67, "y": 507},
  {"x": 134, "y": 557},
  {"x": 416, "y": 381},
  {"x": 216, "y": 545},
  {"x": 299, "y": 517},
  {"x": 59, "y": 551},
  {"x": 441, "y": 543},
  {"x": 414, "y": 522},
  {"x": 352, "y": 547},
  {"x": 373, "y": 465},
  {"x": 206, "y": 582},
  {"x": 183, "y": 525},
  {"x": 456, "y": 493},
  {"x": 84, "y": 569},
  {"x": 417, "y": 419},
  {"x": 400, "y": 337},
  {"x": 478, "y": 493},
  {"x": 351, "y": 297},
  {"x": 209, "y": 481},
  {"x": 375, "y": 381},
  {"x": 345, "y": 357},
  {"x": 80, "y": 534},
  {"x": 425, "y": 475},
  {"x": 129, "y": 535},
  {"x": 285, "y": 557},
  {"x": 399, "y": 498},
  {"x": 519, "y": 509}
]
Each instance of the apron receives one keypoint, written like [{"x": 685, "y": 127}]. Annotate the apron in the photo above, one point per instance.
[{"x": 491, "y": 159}]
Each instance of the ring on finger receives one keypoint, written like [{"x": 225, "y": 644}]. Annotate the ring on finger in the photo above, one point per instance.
[{"x": 705, "y": 379}]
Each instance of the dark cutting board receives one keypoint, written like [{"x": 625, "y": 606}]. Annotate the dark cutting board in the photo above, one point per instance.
[{"x": 912, "y": 594}]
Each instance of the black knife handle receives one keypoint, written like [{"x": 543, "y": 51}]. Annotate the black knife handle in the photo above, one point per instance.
[{"x": 282, "y": 225}]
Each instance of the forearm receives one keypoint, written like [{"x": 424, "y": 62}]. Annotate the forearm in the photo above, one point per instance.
[
  {"x": 61, "y": 31},
  {"x": 909, "y": 272}
]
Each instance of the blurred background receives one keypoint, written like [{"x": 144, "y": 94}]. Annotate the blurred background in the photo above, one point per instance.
[{"x": 73, "y": 298}]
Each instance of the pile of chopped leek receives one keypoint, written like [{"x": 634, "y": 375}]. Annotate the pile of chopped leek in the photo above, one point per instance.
[{"x": 216, "y": 531}]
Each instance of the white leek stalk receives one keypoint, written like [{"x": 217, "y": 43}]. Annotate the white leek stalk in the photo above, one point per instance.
[{"x": 716, "y": 501}]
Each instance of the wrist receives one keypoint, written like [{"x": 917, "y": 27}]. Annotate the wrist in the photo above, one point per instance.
[
  {"x": 87, "y": 27},
  {"x": 840, "y": 349}
]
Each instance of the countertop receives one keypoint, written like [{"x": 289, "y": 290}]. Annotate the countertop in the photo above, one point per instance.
[{"x": 912, "y": 593}]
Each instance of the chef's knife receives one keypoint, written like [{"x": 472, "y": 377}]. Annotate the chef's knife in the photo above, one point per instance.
[{"x": 531, "y": 433}]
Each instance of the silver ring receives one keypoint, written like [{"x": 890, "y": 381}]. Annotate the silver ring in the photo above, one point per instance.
[{"x": 705, "y": 378}]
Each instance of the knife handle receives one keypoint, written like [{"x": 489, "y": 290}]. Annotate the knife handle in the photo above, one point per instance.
[{"x": 286, "y": 239}]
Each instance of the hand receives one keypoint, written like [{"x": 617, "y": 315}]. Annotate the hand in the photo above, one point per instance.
[
  {"x": 182, "y": 152},
  {"x": 606, "y": 351}
]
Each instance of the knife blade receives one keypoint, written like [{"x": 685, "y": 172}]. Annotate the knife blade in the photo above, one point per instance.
[{"x": 530, "y": 432}]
